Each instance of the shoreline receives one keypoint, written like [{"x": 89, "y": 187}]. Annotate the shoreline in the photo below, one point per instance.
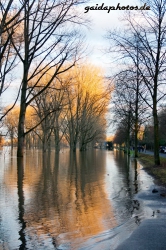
[{"x": 157, "y": 172}]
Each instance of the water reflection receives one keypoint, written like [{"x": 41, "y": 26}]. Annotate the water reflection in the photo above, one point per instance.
[
  {"x": 20, "y": 178},
  {"x": 69, "y": 199},
  {"x": 59, "y": 201}
]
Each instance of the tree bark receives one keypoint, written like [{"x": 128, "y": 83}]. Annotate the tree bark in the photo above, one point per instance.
[
  {"x": 21, "y": 122},
  {"x": 44, "y": 143},
  {"x": 83, "y": 147},
  {"x": 156, "y": 134},
  {"x": 11, "y": 138},
  {"x": 57, "y": 144},
  {"x": 56, "y": 134},
  {"x": 73, "y": 145},
  {"x": 21, "y": 135},
  {"x": 136, "y": 107}
]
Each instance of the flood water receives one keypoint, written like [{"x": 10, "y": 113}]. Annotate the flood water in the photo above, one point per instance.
[{"x": 70, "y": 201}]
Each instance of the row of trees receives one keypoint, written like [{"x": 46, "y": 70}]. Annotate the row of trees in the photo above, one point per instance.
[
  {"x": 43, "y": 40},
  {"x": 145, "y": 136},
  {"x": 130, "y": 111},
  {"x": 142, "y": 50},
  {"x": 71, "y": 109}
]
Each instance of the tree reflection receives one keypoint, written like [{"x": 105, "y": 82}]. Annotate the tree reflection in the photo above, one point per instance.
[
  {"x": 136, "y": 176},
  {"x": 69, "y": 198},
  {"x": 20, "y": 178}
]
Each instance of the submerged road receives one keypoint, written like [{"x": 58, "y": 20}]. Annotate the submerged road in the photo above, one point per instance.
[{"x": 150, "y": 235}]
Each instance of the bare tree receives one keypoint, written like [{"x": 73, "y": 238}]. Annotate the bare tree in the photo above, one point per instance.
[
  {"x": 148, "y": 29},
  {"x": 129, "y": 107},
  {"x": 120, "y": 134},
  {"x": 50, "y": 109},
  {"x": 11, "y": 123},
  {"x": 73, "y": 116},
  {"x": 50, "y": 40},
  {"x": 44, "y": 117},
  {"x": 10, "y": 31},
  {"x": 88, "y": 98},
  {"x": 93, "y": 121}
]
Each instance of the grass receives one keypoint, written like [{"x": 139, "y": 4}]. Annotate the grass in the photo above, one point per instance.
[{"x": 158, "y": 172}]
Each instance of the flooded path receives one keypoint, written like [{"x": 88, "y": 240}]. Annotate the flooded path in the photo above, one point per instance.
[{"x": 70, "y": 201}]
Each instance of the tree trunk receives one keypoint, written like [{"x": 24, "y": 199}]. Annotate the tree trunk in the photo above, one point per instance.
[
  {"x": 21, "y": 135},
  {"x": 56, "y": 134},
  {"x": 49, "y": 143},
  {"x": 128, "y": 143},
  {"x": 136, "y": 138},
  {"x": 45, "y": 144},
  {"x": 28, "y": 141},
  {"x": 128, "y": 130},
  {"x": 21, "y": 122},
  {"x": 156, "y": 135},
  {"x": 83, "y": 147},
  {"x": 11, "y": 138},
  {"x": 57, "y": 144},
  {"x": 136, "y": 108},
  {"x": 73, "y": 146}
]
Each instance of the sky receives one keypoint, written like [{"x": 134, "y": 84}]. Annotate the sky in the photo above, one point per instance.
[{"x": 101, "y": 22}]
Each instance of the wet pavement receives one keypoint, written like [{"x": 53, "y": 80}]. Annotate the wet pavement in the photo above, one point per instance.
[{"x": 150, "y": 235}]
